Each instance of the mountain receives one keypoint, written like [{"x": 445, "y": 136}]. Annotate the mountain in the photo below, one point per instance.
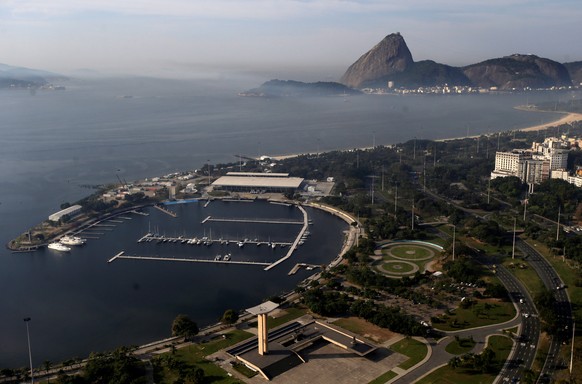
[
  {"x": 286, "y": 88},
  {"x": 518, "y": 71},
  {"x": 20, "y": 77},
  {"x": 575, "y": 71},
  {"x": 388, "y": 57},
  {"x": 426, "y": 73},
  {"x": 391, "y": 61}
]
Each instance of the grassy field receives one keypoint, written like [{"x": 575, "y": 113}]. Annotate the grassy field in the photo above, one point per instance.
[
  {"x": 528, "y": 276},
  {"x": 415, "y": 350},
  {"x": 410, "y": 252},
  {"x": 485, "y": 312},
  {"x": 364, "y": 328},
  {"x": 460, "y": 347},
  {"x": 397, "y": 267},
  {"x": 291, "y": 313},
  {"x": 384, "y": 378},
  {"x": 501, "y": 345},
  {"x": 194, "y": 356}
]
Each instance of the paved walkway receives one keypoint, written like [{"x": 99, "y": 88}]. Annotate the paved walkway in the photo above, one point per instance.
[{"x": 437, "y": 356}]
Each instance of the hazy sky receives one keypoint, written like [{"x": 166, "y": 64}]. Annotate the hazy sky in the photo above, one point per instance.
[{"x": 278, "y": 37}]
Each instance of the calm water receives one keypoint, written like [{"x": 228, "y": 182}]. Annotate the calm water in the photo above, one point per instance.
[{"x": 53, "y": 142}]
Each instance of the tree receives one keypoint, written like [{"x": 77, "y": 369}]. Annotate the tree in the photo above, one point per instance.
[
  {"x": 184, "y": 326},
  {"x": 229, "y": 317},
  {"x": 47, "y": 367}
]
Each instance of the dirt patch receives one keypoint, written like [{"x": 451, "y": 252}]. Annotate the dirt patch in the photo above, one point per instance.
[{"x": 368, "y": 330}]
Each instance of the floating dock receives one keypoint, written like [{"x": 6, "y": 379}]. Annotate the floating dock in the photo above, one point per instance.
[
  {"x": 297, "y": 241},
  {"x": 115, "y": 257},
  {"x": 254, "y": 221},
  {"x": 140, "y": 213},
  {"x": 120, "y": 255},
  {"x": 298, "y": 266},
  {"x": 149, "y": 237},
  {"x": 165, "y": 210}
]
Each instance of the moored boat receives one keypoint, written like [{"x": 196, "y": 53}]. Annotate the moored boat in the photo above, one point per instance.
[
  {"x": 58, "y": 247},
  {"x": 72, "y": 240}
]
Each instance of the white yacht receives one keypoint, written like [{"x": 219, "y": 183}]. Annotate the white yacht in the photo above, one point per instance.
[
  {"x": 58, "y": 247},
  {"x": 72, "y": 240}
]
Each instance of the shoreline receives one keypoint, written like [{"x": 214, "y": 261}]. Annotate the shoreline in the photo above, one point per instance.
[{"x": 568, "y": 118}]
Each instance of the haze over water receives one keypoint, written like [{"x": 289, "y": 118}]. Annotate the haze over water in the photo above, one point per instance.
[{"x": 53, "y": 142}]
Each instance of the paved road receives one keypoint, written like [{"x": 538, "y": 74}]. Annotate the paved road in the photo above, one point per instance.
[
  {"x": 563, "y": 307},
  {"x": 527, "y": 341}
]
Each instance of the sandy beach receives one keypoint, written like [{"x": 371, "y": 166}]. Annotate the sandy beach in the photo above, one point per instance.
[{"x": 568, "y": 118}]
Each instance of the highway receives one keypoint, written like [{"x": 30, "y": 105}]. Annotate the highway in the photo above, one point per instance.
[
  {"x": 526, "y": 343},
  {"x": 563, "y": 307},
  {"x": 551, "y": 280}
]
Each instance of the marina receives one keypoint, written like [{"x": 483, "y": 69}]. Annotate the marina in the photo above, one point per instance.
[{"x": 149, "y": 237}]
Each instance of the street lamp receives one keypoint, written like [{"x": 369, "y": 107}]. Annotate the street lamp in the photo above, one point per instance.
[
  {"x": 27, "y": 320},
  {"x": 454, "y": 232},
  {"x": 513, "y": 249}
]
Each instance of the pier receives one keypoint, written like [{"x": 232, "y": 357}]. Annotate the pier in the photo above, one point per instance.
[
  {"x": 165, "y": 210},
  {"x": 120, "y": 255},
  {"x": 149, "y": 237},
  {"x": 140, "y": 213},
  {"x": 298, "y": 266},
  {"x": 296, "y": 242},
  {"x": 254, "y": 221},
  {"x": 115, "y": 257}
]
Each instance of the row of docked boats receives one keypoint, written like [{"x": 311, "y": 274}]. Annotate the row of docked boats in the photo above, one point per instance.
[
  {"x": 224, "y": 258},
  {"x": 64, "y": 244},
  {"x": 151, "y": 237}
]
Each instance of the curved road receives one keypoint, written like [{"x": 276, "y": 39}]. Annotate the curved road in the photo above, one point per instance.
[{"x": 563, "y": 306}]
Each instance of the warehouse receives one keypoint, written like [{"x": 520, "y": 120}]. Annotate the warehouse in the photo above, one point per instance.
[
  {"x": 258, "y": 182},
  {"x": 67, "y": 212}
]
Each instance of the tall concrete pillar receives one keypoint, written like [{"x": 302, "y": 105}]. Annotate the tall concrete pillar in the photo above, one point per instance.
[
  {"x": 261, "y": 312},
  {"x": 263, "y": 334}
]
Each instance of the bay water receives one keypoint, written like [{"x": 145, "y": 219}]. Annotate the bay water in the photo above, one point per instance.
[{"x": 52, "y": 143}]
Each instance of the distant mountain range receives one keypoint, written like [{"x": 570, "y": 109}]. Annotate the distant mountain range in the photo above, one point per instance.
[
  {"x": 291, "y": 88},
  {"x": 19, "y": 77},
  {"x": 391, "y": 61}
]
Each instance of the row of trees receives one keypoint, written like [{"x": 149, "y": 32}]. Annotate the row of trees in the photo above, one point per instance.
[{"x": 332, "y": 303}]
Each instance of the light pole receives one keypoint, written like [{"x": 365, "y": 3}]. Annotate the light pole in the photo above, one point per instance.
[
  {"x": 454, "y": 233},
  {"x": 558, "y": 228},
  {"x": 513, "y": 249},
  {"x": 27, "y": 320}
]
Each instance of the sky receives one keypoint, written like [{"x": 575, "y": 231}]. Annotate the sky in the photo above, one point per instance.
[{"x": 277, "y": 38}]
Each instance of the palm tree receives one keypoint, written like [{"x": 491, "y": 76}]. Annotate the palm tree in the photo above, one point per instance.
[{"x": 47, "y": 365}]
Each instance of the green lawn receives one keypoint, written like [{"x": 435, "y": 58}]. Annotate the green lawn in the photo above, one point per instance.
[
  {"x": 527, "y": 276},
  {"x": 415, "y": 350},
  {"x": 291, "y": 314},
  {"x": 410, "y": 252},
  {"x": 501, "y": 345},
  {"x": 460, "y": 347},
  {"x": 478, "y": 315},
  {"x": 397, "y": 267},
  {"x": 194, "y": 356},
  {"x": 383, "y": 378}
]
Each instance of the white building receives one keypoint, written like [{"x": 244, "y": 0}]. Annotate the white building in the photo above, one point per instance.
[
  {"x": 69, "y": 212},
  {"x": 536, "y": 165}
]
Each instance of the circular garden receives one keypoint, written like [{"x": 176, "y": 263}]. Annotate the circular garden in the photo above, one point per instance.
[{"x": 404, "y": 258}]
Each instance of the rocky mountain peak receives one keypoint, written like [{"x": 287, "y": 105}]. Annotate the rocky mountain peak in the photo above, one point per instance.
[{"x": 389, "y": 56}]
